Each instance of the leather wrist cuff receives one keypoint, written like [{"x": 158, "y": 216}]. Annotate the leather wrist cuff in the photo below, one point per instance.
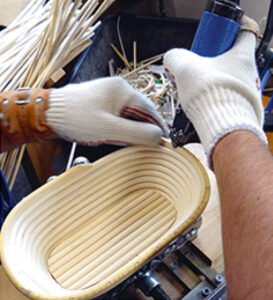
[{"x": 22, "y": 115}]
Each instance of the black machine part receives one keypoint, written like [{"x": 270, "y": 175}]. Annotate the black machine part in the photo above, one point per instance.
[
  {"x": 190, "y": 272},
  {"x": 268, "y": 122},
  {"x": 225, "y": 8},
  {"x": 263, "y": 53},
  {"x": 150, "y": 286}
]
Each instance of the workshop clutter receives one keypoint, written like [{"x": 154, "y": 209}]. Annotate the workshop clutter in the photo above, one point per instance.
[
  {"x": 37, "y": 45},
  {"x": 153, "y": 36}
]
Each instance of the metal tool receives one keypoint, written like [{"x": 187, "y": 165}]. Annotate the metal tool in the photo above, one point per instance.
[
  {"x": 187, "y": 275},
  {"x": 150, "y": 286}
]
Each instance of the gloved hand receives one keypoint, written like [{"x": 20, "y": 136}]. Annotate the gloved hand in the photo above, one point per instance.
[
  {"x": 95, "y": 112},
  {"x": 220, "y": 94}
]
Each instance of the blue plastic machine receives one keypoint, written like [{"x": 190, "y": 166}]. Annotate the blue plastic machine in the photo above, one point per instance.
[
  {"x": 218, "y": 28},
  {"x": 216, "y": 32}
]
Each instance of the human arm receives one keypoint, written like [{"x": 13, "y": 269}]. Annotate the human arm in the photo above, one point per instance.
[
  {"x": 222, "y": 98},
  {"x": 90, "y": 113},
  {"x": 244, "y": 170}
]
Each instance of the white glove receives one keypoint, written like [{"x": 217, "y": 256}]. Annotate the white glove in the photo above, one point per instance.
[
  {"x": 95, "y": 112},
  {"x": 220, "y": 94}
]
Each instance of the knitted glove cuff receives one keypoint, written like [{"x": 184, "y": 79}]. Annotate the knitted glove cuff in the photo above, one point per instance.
[
  {"x": 219, "y": 111},
  {"x": 55, "y": 113}
]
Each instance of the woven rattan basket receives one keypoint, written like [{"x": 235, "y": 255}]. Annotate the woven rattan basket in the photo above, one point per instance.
[{"x": 89, "y": 229}]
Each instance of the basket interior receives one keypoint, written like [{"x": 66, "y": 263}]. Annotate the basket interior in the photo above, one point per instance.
[{"x": 96, "y": 224}]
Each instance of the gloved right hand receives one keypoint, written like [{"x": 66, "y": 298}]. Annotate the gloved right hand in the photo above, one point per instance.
[
  {"x": 106, "y": 110},
  {"x": 100, "y": 111},
  {"x": 220, "y": 94}
]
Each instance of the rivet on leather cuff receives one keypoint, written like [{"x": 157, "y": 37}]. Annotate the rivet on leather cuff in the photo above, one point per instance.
[{"x": 22, "y": 115}]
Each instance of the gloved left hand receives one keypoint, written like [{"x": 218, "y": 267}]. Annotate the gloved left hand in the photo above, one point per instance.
[
  {"x": 97, "y": 112},
  {"x": 220, "y": 94}
]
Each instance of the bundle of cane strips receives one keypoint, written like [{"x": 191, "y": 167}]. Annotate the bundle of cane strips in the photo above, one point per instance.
[
  {"x": 42, "y": 40},
  {"x": 151, "y": 81}
]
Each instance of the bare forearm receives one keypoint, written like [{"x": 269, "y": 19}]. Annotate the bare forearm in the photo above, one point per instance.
[{"x": 244, "y": 171}]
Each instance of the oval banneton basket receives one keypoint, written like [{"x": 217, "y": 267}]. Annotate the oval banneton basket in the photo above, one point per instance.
[{"x": 88, "y": 230}]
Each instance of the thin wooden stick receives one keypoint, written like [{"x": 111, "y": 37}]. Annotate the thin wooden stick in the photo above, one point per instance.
[
  {"x": 4, "y": 167},
  {"x": 160, "y": 56},
  {"x": 10, "y": 163},
  {"x": 23, "y": 17},
  {"x": 66, "y": 26},
  {"x": 142, "y": 66},
  {"x": 62, "y": 52},
  {"x": 29, "y": 9},
  {"x": 83, "y": 26},
  {"x": 71, "y": 156},
  {"x": 17, "y": 166},
  {"x": 11, "y": 40},
  {"x": 35, "y": 68},
  {"x": 13, "y": 51},
  {"x": 65, "y": 9},
  {"x": 120, "y": 40},
  {"x": 3, "y": 157},
  {"x": 268, "y": 90},
  {"x": 102, "y": 8},
  {"x": 52, "y": 29},
  {"x": 76, "y": 51},
  {"x": 23, "y": 57},
  {"x": 120, "y": 56}
]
